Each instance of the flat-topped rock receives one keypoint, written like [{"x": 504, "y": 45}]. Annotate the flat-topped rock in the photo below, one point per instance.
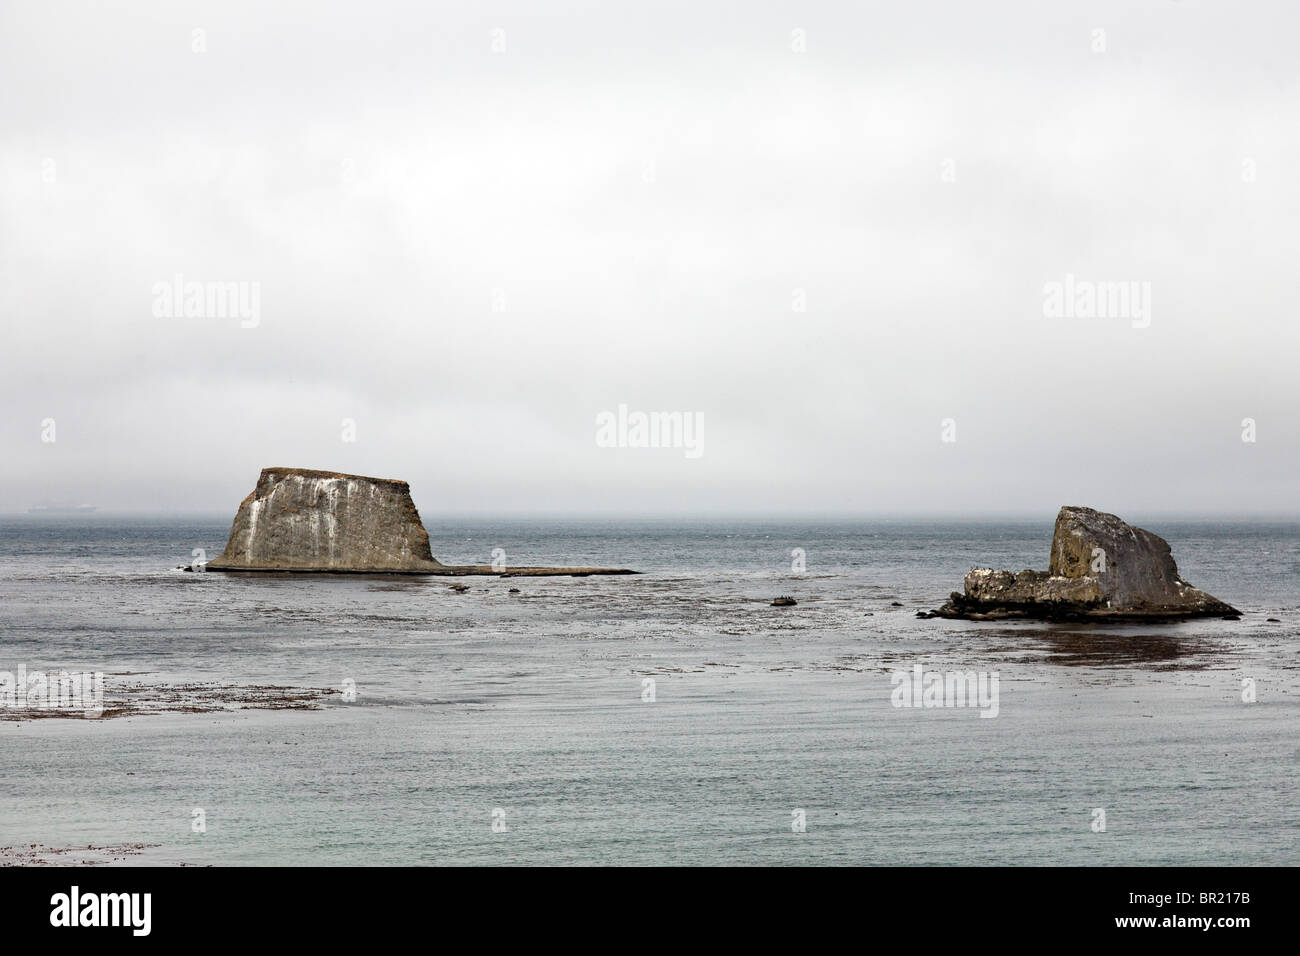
[
  {"x": 300, "y": 519},
  {"x": 304, "y": 520},
  {"x": 1100, "y": 568}
]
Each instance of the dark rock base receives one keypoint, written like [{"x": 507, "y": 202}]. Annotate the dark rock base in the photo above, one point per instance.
[{"x": 960, "y": 607}]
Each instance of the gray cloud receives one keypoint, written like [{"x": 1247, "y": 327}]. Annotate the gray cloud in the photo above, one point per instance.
[{"x": 472, "y": 254}]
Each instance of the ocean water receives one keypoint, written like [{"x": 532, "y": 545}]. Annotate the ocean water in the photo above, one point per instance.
[{"x": 527, "y": 710}]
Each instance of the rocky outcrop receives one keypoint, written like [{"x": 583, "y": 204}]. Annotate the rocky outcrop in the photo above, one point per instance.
[
  {"x": 299, "y": 519},
  {"x": 1100, "y": 568}
]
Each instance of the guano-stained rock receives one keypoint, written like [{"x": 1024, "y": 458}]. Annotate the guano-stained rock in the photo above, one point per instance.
[
  {"x": 299, "y": 519},
  {"x": 303, "y": 520}
]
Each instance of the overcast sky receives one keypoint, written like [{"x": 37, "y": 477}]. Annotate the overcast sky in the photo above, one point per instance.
[{"x": 824, "y": 228}]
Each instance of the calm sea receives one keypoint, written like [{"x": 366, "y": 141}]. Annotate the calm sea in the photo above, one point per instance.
[{"x": 491, "y": 727}]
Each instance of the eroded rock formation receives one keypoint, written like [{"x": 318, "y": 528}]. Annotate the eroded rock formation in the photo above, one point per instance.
[
  {"x": 1100, "y": 568},
  {"x": 299, "y": 519}
]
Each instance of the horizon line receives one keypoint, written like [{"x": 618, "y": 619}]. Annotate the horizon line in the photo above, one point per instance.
[{"x": 775, "y": 516}]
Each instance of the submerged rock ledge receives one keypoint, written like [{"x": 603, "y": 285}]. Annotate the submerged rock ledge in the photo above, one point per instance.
[
  {"x": 308, "y": 521},
  {"x": 1101, "y": 569}
]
